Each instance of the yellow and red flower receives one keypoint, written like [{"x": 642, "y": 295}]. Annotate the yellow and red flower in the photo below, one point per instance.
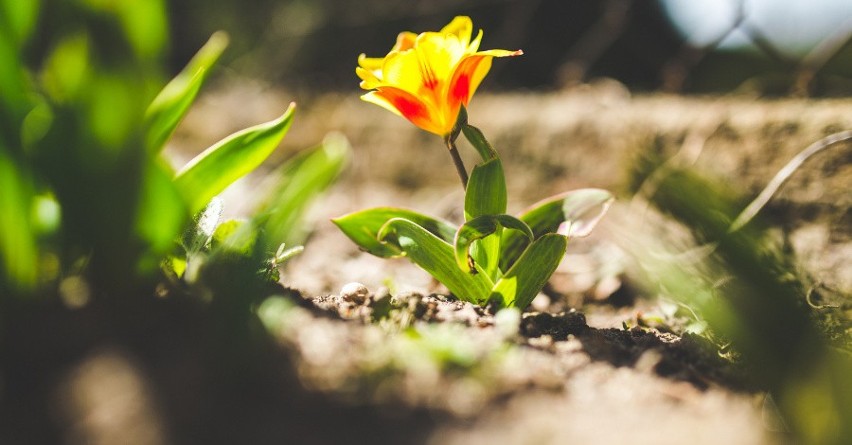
[{"x": 427, "y": 77}]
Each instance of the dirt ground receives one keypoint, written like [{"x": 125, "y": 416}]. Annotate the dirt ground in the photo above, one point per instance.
[
  {"x": 589, "y": 136},
  {"x": 397, "y": 362}
]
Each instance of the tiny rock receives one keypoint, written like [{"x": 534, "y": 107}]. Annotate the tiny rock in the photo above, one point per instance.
[{"x": 354, "y": 292}]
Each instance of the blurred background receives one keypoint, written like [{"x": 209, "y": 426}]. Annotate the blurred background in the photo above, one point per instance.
[
  {"x": 577, "y": 110},
  {"x": 774, "y": 47}
]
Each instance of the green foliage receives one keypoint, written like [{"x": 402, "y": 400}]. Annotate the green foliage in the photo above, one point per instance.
[
  {"x": 481, "y": 261},
  {"x": 299, "y": 182},
  {"x": 363, "y": 227},
  {"x": 573, "y": 214},
  {"x": 436, "y": 257},
  {"x": 528, "y": 275},
  {"x": 171, "y": 105},
  {"x": 209, "y": 173},
  {"x": 256, "y": 245},
  {"x": 83, "y": 187},
  {"x": 19, "y": 254},
  {"x": 752, "y": 296},
  {"x": 476, "y": 138},
  {"x": 486, "y": 190},
  {"x": 483, "y": 227}
]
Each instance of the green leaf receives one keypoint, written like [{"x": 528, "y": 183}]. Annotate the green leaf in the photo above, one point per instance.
[
  {"x": 573, "y": 214},
  {"x": 230, "y": 159},
  {"x": 486, "y": 195},
  {"x": 477, "y": 139},
  {"x": 68, "y": 69},
  {"x": 18, "y": 249},
  {"x": 436, "y": 257},
  {"x": 530, "y": 272},
  {"x": 302, "y": 180},
  {"x": 171, "y": 105},
  {"x": 14, "y": 102},
  {"x": 145, "y": 24},
  {"x": 363, "y": 227},
  {"x": 161, "y": 213},
  {"x": 17, "y": 19},
  {"x": 481, "y": 227},
  {"x": 234, "y": 236},
  {"x": 582, "y": 210},
  {"x": 486, "y": 190}
]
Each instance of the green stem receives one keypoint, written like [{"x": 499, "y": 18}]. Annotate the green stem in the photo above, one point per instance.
[{"x": 457, "y": 160}]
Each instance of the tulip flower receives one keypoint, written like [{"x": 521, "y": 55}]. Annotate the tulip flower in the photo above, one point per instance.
[{"x": 427, "y": 77}]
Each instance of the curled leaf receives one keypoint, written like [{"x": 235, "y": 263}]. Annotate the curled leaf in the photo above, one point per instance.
[
  {"x": 479, "y": 228},
  {"x": 582, "y": 210},
  {"x": 573, "y": 214},
  {"x": 486, "y": 190}
]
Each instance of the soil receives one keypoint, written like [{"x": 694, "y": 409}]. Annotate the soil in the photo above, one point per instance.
[
  {"x": 603, "y": 359},
  {"x": 355, "y": 349}
]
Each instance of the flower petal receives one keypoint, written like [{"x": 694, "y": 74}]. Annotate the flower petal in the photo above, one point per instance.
[
  {"x": 427, "y": 77},
  {"x": 466, "y": 78},
  {"x": 406, "y": 105},
  {"x": 461, "y": 27},
  {"x": 405, "y": 40},
  {"x": 369, "y": 80},
  {"x": 370, "y": 63},
  {"x": 469, "y": 74},
  {"x": 501, "y": 53},
  {"x": 438, "y": 54},
  {"x": 474, "y": 45},
  {"x": 403, "y": 70}
]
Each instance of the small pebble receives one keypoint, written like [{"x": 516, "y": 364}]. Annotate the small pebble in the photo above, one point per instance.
[
  {"x": 541, "y": 302},
  {"x": 508, "y": 321},
  {"x": 354, "y": 292}
]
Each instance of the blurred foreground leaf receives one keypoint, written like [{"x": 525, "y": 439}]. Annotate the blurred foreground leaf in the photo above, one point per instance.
[
  {"x": 750, "y": 294},
  {"x": 18, "y": 252},
  {"x": 162, "y": 213},
  {"x": 301, "y": 180},
  {"x": 18, "y": 19}
]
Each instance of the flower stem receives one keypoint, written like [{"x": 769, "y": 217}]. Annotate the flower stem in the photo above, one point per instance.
[{"x": 457, "y": 160}]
